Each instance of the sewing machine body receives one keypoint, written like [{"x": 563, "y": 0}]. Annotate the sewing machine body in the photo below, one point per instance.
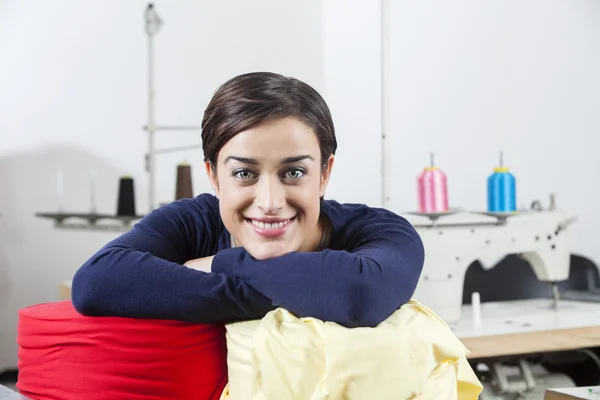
[{"x": 455, "y": 242}]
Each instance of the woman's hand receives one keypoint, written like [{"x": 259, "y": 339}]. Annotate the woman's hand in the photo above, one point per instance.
[{"x": 200, "y": 264}]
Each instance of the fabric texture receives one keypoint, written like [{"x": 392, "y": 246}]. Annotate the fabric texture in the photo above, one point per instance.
[
  {"x": 66, "y": 356},
  {"x": 413, "y": 354},
  {"x": 370, "y": 268}
]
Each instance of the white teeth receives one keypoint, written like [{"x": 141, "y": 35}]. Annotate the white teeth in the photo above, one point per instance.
[{"x": 269, "y": 225}]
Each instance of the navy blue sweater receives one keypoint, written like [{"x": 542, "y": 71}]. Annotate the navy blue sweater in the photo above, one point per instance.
[{"x": 370, "y": 269}]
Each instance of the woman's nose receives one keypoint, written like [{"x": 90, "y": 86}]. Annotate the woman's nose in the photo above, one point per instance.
[{"x": 270, "y": 195}]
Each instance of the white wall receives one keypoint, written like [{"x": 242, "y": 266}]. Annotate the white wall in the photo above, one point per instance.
[
  {"x": 512, "y": 75},
  {"x": 73, "y": 96},
  {"x": 352, "y": 66},
  {"x": 468, "y": 79}
]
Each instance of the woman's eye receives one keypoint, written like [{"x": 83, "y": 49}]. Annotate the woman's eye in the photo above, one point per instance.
[
  {"x": 244, "y": 175},
  {"x": 294, "y": 174}
]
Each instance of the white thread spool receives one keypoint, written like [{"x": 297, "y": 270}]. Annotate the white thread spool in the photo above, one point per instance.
[
  {"x": 93, "y": 192},
  {"x": 476, "y": 308}
]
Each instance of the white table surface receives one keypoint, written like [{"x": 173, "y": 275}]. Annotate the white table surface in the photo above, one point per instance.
[{"x": 523, "y": 316}]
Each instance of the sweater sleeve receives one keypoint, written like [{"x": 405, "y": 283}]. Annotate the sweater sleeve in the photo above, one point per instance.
[
  {"x": 140, "y": 274},
  {"x": 376, "y": 272}
]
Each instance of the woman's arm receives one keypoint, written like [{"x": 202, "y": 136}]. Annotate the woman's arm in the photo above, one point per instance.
[
  {"x": 140, "y": 274},
  {"x": 360, "y": 286}
]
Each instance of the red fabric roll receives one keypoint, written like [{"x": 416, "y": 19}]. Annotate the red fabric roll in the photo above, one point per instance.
[{"x": 66, "y": 356}]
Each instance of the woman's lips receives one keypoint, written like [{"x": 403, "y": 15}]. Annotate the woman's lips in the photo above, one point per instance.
[{"x": 271, "y": 229}]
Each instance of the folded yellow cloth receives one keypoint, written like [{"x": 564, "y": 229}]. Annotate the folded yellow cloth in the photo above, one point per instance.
[{"x": 411, "y": 355}]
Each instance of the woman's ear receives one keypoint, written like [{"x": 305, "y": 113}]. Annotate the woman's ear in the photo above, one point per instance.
[
  {"x": 212, "y": 176},
  {"x": 326, "y": 174}
]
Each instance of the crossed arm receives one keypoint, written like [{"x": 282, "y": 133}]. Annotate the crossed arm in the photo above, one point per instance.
[{"x": 143, "y": 274}]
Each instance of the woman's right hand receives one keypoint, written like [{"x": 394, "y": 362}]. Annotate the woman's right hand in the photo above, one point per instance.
[{"x": 200, "y": 264}]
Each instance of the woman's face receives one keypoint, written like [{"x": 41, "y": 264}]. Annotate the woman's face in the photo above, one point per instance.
[{"x": 269, "y": 182}]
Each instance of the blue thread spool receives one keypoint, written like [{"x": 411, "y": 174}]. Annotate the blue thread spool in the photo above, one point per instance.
[{"x": 502, "y": 192}]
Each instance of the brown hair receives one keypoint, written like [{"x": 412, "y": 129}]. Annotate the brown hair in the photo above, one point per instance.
[{"x": 249, "y": 99}]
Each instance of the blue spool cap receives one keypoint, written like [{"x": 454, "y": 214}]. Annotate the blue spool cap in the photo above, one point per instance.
[{"x": 502, "y": 195}]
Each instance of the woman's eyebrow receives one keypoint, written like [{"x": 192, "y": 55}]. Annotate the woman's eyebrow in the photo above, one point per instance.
[
  {"x": 244, "y": 160},
  {"x": 291, "y": 160}
]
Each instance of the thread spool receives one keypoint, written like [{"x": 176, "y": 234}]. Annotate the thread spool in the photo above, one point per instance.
[
  {"x": 60, "y": 190},
  {"x": 432, "y": 189},
  {"x": 93, "y": 192},
  {"x": 502, "y": 189},
  {"x": 183, "y": 186},
  {"x": 126, "y": 198}
]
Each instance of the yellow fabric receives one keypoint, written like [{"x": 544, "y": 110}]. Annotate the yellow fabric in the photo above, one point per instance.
[{"x": 411, "y": 355}]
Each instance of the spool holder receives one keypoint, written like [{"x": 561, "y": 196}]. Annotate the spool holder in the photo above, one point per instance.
[
  {"x": 501, "y": 217},
  {"x": 435, "y": 216},
  {"x": 89, "y": 221}
]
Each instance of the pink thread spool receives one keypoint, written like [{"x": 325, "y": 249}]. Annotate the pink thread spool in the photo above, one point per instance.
[{"x": 433, "y": 190}]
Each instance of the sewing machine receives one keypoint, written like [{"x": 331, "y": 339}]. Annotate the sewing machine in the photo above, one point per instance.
[{"x": 454, "y": 240}]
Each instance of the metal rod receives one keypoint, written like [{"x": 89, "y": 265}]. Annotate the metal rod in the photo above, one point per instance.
[
  {"x": 157, "y": 128},
  {"x": 178, "y": 148},
  {"x": 385, "y": 103},
  {"x": 555, "y": 294},
  {"x": 150, "y": 126},
  {"x": 153, "y": 24}
]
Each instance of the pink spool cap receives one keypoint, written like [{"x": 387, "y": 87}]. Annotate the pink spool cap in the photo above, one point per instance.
[{"x": 432, "y": 190}]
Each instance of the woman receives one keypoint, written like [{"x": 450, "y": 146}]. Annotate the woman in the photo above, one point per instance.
[{"x": 267, "y": 239}]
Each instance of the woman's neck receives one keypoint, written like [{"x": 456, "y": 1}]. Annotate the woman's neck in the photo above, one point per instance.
[{"x": 319, "y": 239}]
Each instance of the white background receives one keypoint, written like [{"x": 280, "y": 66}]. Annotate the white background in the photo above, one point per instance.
[{"x": 468, "y": 78}]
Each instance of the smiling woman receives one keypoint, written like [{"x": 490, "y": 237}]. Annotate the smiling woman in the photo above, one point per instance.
[
  {"x": 267, "y": 238},
  {"x": 268, "y": 195}
]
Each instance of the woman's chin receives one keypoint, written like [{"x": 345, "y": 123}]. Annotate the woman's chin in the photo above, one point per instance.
[{"x": 267, "y": 251}]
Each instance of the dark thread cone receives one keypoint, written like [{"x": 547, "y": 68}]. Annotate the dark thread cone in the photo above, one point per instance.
[
  {"x": 183, "y": 188},
  {"x": 126, "y": 199}
]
